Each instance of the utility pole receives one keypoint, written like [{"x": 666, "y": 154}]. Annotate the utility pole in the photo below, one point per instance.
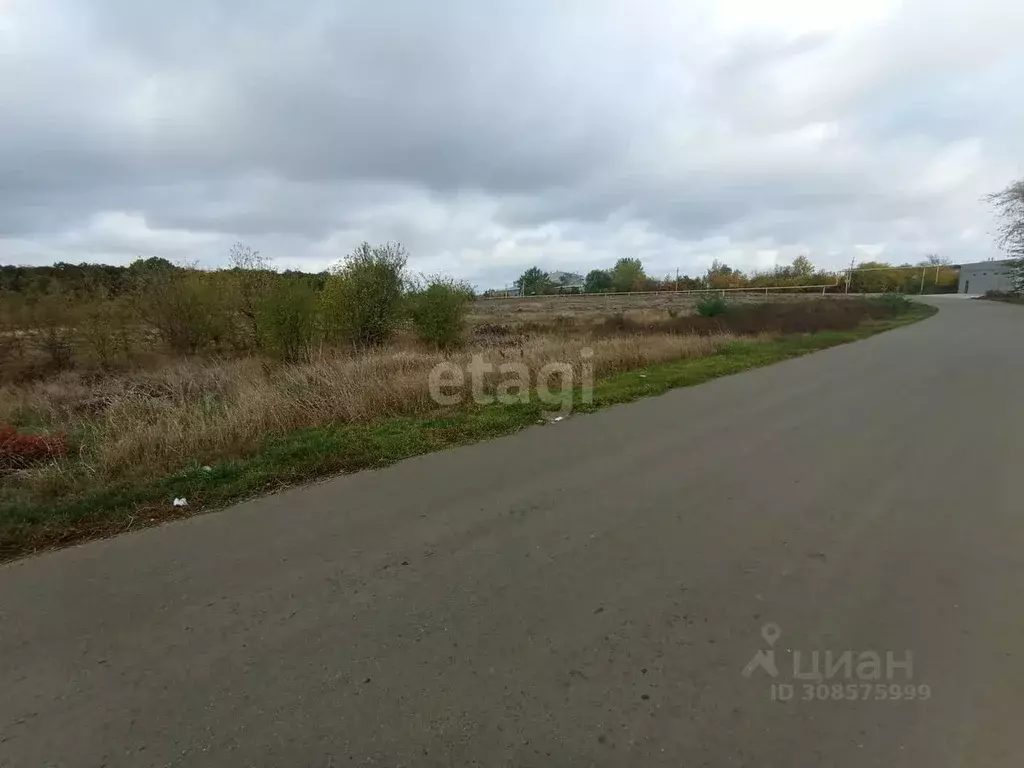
[
  {"x": 849, "y": 275},
  {"x": 920, "y": 292},
  {"x": 677, "y": 279}
]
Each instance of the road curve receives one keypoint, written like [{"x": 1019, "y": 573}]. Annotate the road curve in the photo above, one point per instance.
[{"x": 583, "y": 594}]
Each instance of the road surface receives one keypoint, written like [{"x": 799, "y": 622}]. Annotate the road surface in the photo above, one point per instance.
[{"x": 582, "y": 594}]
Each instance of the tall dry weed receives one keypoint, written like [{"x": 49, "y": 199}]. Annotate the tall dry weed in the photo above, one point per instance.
[{"x": 149, "y": 423}]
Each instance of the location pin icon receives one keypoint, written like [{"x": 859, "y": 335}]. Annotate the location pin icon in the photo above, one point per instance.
[{"x": 771, "y": 632}]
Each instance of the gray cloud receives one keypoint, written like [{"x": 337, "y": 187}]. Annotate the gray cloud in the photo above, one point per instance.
[{"x": 489, "y": 136}]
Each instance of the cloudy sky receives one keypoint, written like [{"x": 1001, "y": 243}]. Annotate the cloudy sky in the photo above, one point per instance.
[{"x": 489, "y": 135}]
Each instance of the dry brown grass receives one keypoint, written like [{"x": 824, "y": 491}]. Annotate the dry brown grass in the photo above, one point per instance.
[
  {"x": 588, "y": 309},
  {"x": 145, "y": 424}
]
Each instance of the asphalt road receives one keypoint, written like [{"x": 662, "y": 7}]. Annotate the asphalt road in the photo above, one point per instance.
[{"x": 582, "y": 594}]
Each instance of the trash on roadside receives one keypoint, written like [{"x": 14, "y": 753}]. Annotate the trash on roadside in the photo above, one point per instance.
[
  {"x": 180, "y": 503},
  {"x": 558, "y": 418},
  {"x": 207, "y": 469}
]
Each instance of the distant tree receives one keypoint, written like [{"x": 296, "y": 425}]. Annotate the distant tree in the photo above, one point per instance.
[
  {"x": 719, "y": 269},
  {"x": 152, "y": 264},
  {"x": 721, "y": 275},
  {"x": 533, "y": 282},
  {"x": 628, "y": 275},
  {"x": 934, "y": 260},
  {"x": 598, "y": 281},
  {"x": 802, "y": 267}
]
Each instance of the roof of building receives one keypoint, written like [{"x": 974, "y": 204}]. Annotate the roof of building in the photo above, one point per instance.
[
  {"x": 566, "y": 278},
  {"x": 990, "y": 264}
]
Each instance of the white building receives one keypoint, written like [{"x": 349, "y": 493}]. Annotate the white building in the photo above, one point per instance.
[
  {"x": 569, "y": 282},
  {"x": 984, "y": 276}
]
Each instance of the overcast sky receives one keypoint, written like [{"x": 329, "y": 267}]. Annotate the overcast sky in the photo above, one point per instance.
[{"x": 489, "y": 136}]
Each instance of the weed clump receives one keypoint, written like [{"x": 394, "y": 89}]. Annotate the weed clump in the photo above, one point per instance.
[{"x": 712, "y": 306}]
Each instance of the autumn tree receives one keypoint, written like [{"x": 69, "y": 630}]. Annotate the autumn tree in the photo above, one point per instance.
[{"x": 721, "y": 275}]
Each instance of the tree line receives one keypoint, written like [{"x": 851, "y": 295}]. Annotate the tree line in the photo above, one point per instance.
[
  {"x": 933, "y": 274},
  {"x": 109, "y": 317}
]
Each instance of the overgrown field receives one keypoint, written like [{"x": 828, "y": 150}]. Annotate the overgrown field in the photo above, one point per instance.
[
  {"x": 336, "y": 378},
  {"x": 642, "y": 307}
]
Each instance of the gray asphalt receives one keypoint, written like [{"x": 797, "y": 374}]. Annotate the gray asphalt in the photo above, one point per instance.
[{"x": 581, "y": 594}]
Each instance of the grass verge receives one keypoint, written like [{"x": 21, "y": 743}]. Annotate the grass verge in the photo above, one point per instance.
[{"x": 31, "y": 526}]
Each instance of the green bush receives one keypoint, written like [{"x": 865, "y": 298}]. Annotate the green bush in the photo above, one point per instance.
[
  {"x": 712, "y": 306},
  {"x": 438, "y": 311},
  {"x": 894, "y": 303},
  {"x": 361, "y": 303},
  {"x": 287, "y": 319}
]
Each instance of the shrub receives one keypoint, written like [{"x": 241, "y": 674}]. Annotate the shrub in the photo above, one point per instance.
[
  {"x": 712, "y": 306},
  {"x": 362, "y": 299},
  {"x": 287, "y": 319},
  {"x": 12, "y": 338},
  {"x": 253, "y": 280},
  {"x": 438, "y": 311},
  {"x": 18, "y": 451},
  {"x": 106, "y": 325},
  {"x": 189, "y": 311},
  {"x": 52, "y": 316},
  {"x": 893, "y": 303}
]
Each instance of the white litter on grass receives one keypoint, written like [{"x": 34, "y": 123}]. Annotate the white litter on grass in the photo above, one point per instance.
[
  {"x": 180, "y": 503},
  {"x": 558, "y": 418},
  {"x": 207, "y": 469}
]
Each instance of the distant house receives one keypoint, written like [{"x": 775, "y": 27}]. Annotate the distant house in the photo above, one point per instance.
[
  {"x": 567, "y": 282},
  {"x": 984, "y": 276}
]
